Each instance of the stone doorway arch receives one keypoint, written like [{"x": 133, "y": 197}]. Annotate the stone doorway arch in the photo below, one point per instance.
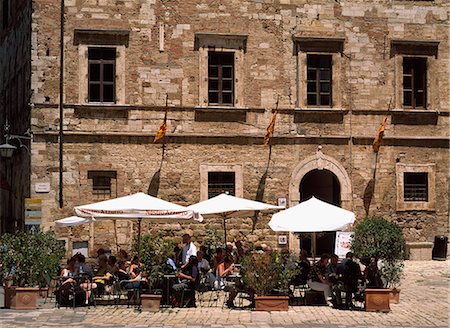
[{"x": 319, "y": 161}]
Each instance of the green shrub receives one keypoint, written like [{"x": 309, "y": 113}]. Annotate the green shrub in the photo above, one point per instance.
[
  {"x": 375, "y": 236},
  {"x": 24, "y": 257},
  {"x": 154, "y": 252}
]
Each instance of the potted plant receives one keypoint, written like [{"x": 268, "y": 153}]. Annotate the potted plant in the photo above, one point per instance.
[
  {"x": 377, "y": 237},
  {"x": 154, "y": 252},
  {"x": 24, "y": 258},
  {"x": 391, "y": 275},
  {"x": 268, "y": 275}
]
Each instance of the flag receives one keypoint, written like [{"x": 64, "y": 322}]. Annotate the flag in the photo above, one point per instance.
[
  {"x": 162, "y": 129},
  {"x": 379, "y": 137},
  {"x": 270, "y": 129}
]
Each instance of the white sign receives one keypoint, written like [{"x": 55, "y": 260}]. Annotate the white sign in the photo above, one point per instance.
[
  {"x": 282, "y": 240},
  {"x": 282, "y": 201},
  {"x": 42, "y": 187},
  {"x": 343, "y": 241}
]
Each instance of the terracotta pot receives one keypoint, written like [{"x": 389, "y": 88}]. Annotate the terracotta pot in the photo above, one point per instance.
[
  {"x": 377, "y": 300},
  {"x": 21, "y": 298},
  {"x": 394, "y": 296},
  {"x": 272, "y": 303},
  {"x": 150, "y": 302}
]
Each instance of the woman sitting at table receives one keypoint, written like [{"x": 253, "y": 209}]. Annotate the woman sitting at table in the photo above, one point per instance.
[
  {"x": 126, "y": 280},
  {"x": 223, "y": 270},
  {"x": 103, "y": 276},
  {"x": 189, "y": 278},
  {"x": 71, "y": 272}
]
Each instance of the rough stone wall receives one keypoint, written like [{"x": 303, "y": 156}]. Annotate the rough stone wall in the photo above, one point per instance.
[
  {"x": 15, "y": 92},
  {"x": 120, "y": 137}
]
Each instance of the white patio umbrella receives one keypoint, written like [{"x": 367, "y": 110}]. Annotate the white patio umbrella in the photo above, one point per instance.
[
  {"x": 72, "y": 221},
  {"x": 138, "y": 206},
  {"x": 227, "y": 206},
  {"x": 313, "y": 216}
]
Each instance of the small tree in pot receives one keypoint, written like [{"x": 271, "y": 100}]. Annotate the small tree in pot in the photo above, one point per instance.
[
  {"x": 377, "y": 237},
  {"x": 154, "y": 252},
  {"x": 268, "y": 275},
  {"x": 24, "y": 259}
]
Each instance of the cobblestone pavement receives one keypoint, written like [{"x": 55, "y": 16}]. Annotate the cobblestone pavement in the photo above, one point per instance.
[{"x": 424, "y": 302}]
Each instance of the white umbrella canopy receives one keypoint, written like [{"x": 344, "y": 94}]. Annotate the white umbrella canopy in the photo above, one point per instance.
[
  {"x": 72, "y": 221},
  {"x": 312, "y": 215},
  {"x": 227, "y": 206},
  {"x": 137, "y": 206}
]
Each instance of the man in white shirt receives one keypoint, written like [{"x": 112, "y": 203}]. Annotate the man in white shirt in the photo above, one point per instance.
[{"x": 188, "y": 249}]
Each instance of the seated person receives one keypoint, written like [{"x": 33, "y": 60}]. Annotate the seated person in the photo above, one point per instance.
[
  {"x": 189, "y": 277},
  {"x": 372, "y": 274},
  {"x": 81, "y": 265},
  {"x": 204, "y": 269},
  {"x": 317, "y": 279},
  {"x": 350, "y": 274},
  {"x": 332, "y": 274},
  {"x": 305, "y": 266},
  {"x": 112, "y": 265},
  {"x": 72, "y": 272},
  {"x": 135, "y": 267},
  {"x": 126, "y": 280},
  {"x": 103, "y": 277},
  {"x": 218, "y": 258},
  {"x": 223, "y": 270}
]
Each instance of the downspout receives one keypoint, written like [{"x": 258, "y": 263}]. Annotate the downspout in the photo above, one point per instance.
[{"x": 61, "y": 107}]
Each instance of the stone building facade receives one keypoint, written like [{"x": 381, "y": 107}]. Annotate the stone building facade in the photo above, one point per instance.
[
  {"x": 332, "y": 68},
  {"x": 15, "y": 93}
]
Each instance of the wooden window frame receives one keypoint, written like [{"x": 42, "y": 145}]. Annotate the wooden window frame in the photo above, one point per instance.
[
  {"x": 220, "y": 79},
  {"x": 418, "y": 71},
  {"x": 102, "y": 82},
  {"x": 318, "y": 93}
]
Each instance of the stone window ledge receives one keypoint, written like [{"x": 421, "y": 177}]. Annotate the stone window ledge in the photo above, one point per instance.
[{"x": 414, "y": 117}]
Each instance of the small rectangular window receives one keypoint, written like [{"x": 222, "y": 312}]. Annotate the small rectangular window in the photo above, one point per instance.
[
  {"x": 103, "y": 183},
  {"x": 81, "y": 247},
  {"x": 415, "y": 187},
  {"x": 221, "y": 182},
  {"x": 102, "y": 73},
  {"x": 220, "y": 78},
  {"x": 414, "y": 82},
  {"x": 319, "y": 80}
]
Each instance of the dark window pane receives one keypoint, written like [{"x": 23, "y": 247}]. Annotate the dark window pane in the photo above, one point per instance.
[
  {"x": 312, "y": 99},
  {"x": 312, "y": 74},
  {"x": 227, "y": 85},
  {"x": 325, "y": 100},
  {"x": 228, "y": 58},
  {"x": 213, "y": 97},
  {"x": 311, "y": 86},
  {"x": 94, "y": 72},
  {"x": 108, "y": 72},
  {"x": 324, "y": 75},
  {"x": 227, "y": 98},
  {"x": 221, "y": 182},
  {"x": 419, "y": 100},
  {"x": 213, "y": 85},
  {"x": 407, "y": 82},
  {"x": 227, "y": 72},
  {"x": 213, "y": 71},
  {"x": 324, "y": 87},
  {"x": 407, "y": 98},
  {"x": 94, "y": 92},
  {"x": 415, "y": 186},
  {"x": 108, "y": 93},
  {"x": 213, "y": 58}
]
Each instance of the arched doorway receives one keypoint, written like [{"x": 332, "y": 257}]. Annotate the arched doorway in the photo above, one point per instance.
[{"x": 324, "y": 185}]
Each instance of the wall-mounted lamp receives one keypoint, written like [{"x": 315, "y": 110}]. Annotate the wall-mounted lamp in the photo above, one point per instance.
[{"x": 6, "y": 149}]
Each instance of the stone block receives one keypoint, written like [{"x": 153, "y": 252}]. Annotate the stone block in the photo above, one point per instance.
[{"x": 419, "y": 251}]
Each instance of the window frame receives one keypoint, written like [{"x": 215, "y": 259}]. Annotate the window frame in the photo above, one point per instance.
[
  {"x": 318, "y": 80},
  {"x": 224, "y": 189},
  {"x": 102, "y": 63},
  {"x": 412, "y": 205},
  {"x": 238, "y": 178},
  {"x": 99, "y": 191},
  {"x": 415, "y": 62},
  {"x": 220, "y": 79}
]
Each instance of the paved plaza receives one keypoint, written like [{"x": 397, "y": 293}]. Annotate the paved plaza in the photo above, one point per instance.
[{"x": 424, "y": 303}]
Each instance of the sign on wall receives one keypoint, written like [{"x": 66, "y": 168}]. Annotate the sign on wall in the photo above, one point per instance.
[
  {"x": 343, "y": 241},
  {"x": 33, "y": 211}
]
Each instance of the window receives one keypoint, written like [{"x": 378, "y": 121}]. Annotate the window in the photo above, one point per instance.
[
  {"x": 221, "y": 178},
  {"x": 220, "y": 78},
  {"x": 319, "y": 80},
  {"x": 102, "y": 72},
  {"x": 103, "y": 183},
  {"x": 221, "y": 182},
  {"x": 81, "y": 247},
  {"x": 5, "y": 14},
  {"x": 414, "y": 82},
  {"x": 415, "y": 187},
  {"x": 221, "y": 69}
]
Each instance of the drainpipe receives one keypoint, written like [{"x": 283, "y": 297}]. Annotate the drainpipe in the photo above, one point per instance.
[{"x": 61, "y": 107}]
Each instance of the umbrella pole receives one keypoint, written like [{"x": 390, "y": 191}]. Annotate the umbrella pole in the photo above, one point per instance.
[
  {"x": 139, "y": 237},
  {"x": 115, "y": 236},
  {"x": 225, "y": 230},
  {"x": 314, "y": 246}
]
